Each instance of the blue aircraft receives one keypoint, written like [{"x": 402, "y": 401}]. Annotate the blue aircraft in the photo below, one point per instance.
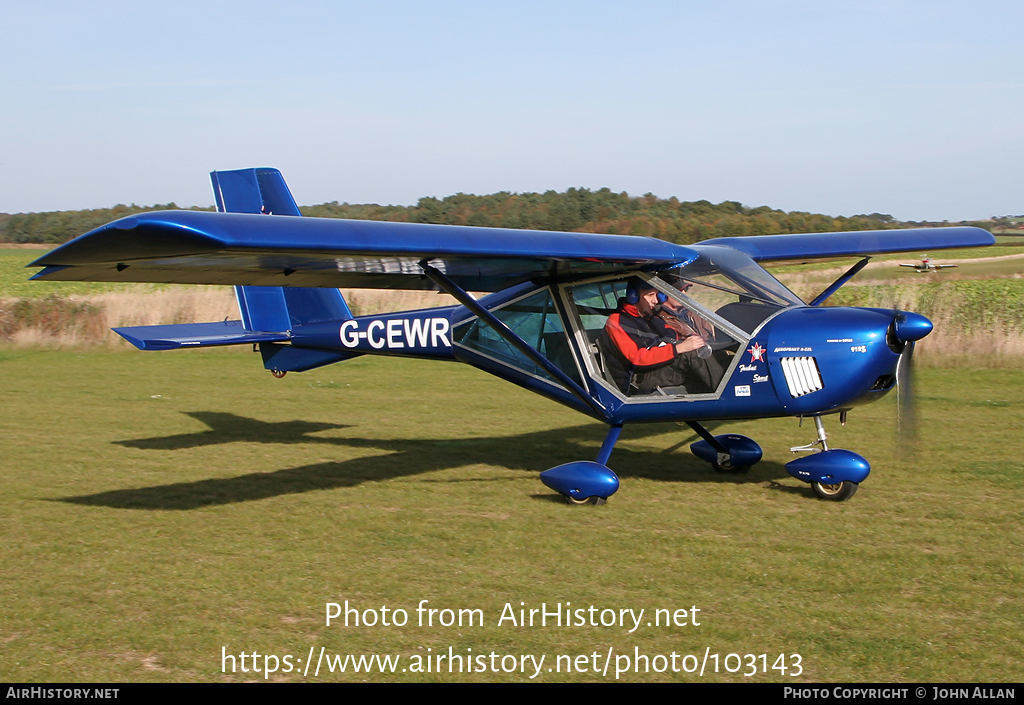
[{"x": 624, "y": 329}]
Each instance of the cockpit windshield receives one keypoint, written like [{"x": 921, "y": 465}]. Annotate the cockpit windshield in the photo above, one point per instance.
[{"x": 731, "y": 285}]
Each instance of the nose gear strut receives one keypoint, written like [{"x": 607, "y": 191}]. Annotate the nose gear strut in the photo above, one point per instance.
[{"x": 813, "y": 446}]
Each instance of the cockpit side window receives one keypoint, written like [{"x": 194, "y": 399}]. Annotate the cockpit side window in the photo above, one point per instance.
[
  {"x": 594, "y": 303},
  {"x": 533, "y": 318}
]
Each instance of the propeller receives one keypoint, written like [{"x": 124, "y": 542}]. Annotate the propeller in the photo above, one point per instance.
[
  {"x": 906, "y": 413},
  {"x": 906, "y": 330}
]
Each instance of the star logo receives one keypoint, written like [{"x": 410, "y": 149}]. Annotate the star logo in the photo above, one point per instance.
[{"x": 757, "y": 353}]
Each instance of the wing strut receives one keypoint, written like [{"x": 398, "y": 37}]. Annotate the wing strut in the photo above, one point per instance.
[
  {"x": 834, "y": 287},
  {"x": 510, "y": 337}
]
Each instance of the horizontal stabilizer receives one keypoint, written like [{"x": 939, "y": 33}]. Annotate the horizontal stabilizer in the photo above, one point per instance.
[{"x": 195, "y": 335}]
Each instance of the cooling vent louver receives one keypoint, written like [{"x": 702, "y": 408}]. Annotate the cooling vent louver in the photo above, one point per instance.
[{"x": 802, "y": 375}]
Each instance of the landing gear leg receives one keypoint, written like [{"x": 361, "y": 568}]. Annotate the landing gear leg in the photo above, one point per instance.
[{"x": 609, "y": 444}]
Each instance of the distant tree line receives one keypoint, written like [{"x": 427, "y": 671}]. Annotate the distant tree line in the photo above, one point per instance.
[
  {"x": 55, "y": 227},
  {"x": 605, "y": 211},
  {"x": 581, "y": 210}
]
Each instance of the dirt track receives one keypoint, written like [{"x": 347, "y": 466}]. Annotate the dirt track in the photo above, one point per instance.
[
  {"x": 978, "y": 259},
  {"x": 891, "y": 266}
]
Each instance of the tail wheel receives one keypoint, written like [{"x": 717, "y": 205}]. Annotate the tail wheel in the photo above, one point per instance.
[
  {"x": 595, "y": 501},
  {"x": 835, "y": 493},
  {"x": 279, "y": 373}
]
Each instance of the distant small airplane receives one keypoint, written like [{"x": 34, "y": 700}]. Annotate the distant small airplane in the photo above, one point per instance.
[{"x": 926, "y": 265}]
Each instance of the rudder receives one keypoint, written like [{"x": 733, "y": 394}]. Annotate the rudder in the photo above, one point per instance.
[{"x": 253, "y": 191}]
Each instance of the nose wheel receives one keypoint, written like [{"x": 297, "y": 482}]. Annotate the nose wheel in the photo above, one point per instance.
[{"x": 835, "y": 493}]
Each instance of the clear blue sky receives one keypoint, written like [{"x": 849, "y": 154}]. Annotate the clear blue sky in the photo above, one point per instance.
[{"x": 909, "y": 108}]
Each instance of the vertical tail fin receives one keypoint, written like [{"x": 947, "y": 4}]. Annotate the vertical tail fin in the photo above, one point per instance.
[
  {"x": 275, "y": 308},
  {"x": 253, "y": 191},
  {"x": 272, "y": 308}
]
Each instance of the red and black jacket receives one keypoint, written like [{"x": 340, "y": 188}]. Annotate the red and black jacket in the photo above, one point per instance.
[{"x": 636, "y": 343}]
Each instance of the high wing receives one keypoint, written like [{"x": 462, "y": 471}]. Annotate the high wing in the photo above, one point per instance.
[
  {"x": 191, "y": 247},
  {"x": 194, "y": 247},
  {"x": 858, "y": 243}
]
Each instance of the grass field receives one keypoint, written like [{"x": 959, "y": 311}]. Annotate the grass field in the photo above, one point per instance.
[
  {"x": 161, "y": 507},
  {"x": 14, "y": 278}
]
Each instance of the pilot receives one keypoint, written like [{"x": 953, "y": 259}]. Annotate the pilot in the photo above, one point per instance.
[{"x": 651, "y": 350}]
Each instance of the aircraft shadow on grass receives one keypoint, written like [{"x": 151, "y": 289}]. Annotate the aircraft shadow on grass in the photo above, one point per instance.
[
  {"x": 231, "y": 428},
  {"x": 529, "y": 452}
]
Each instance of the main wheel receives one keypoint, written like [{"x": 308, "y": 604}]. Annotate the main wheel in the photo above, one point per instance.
[
  {"x": 835, "y": 493},
  {"x": 732, "y": 469},
  {"x": 595, "y": 501}
]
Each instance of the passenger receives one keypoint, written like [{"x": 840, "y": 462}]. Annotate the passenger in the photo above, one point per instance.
[
  {"x": 691, "y": 323},
  {"x": 652, "y": 351}
]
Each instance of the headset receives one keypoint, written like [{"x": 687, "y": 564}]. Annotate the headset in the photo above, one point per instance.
[{"x": 633, "y": 296}]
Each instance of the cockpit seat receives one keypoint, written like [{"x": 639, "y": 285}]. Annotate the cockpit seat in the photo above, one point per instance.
[
  {"x": 747, "y": 315},
  {"x": 615, "y": 368}
]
